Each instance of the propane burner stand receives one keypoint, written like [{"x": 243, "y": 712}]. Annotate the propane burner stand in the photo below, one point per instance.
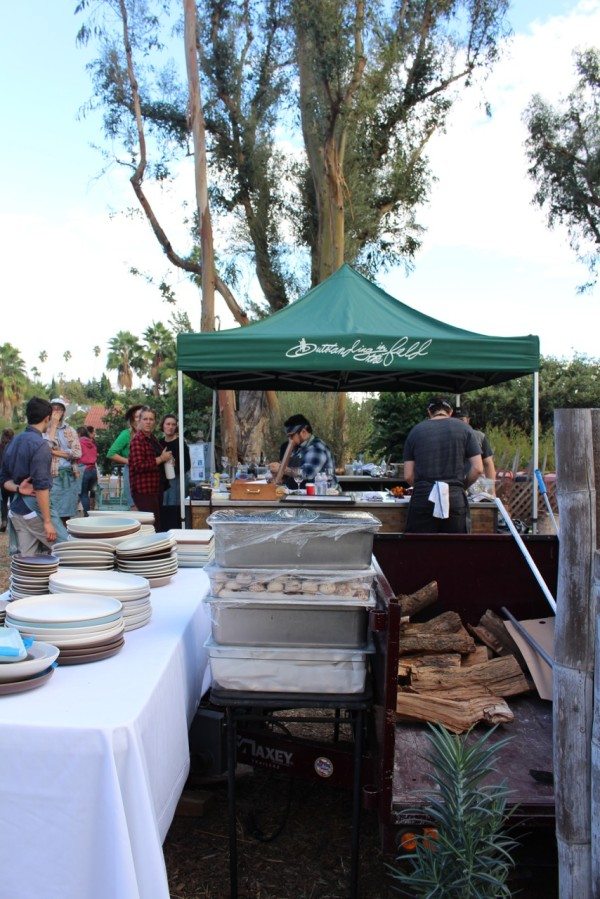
[{"x": 242, "y": 706}]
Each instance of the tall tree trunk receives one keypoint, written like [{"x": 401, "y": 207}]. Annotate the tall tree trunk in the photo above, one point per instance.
[
  {"x": 196, "y": 117},
  {"x": 228, "y": 425},
  {"x": 331, "y": 235}
]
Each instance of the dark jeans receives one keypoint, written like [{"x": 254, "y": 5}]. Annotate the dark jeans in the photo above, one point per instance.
[
  {"x": 89, "y": 482},
  {"x": 420, "y": 518},
  {"x": 5, "y": 501},
  {"x": 149, "y": 502}
]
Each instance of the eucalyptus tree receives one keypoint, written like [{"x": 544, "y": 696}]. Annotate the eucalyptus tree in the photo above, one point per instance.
[
  {"x": 13, "y": 380},
  {"x": 317, "y": 115},
  {"x": 126, "y": 357},
  {"x": 563, "y": 148}
]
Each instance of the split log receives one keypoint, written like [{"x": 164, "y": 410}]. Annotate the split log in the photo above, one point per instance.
[
  {"x": 431, "y": 660},
  {"x": 477, "y": 657},
  {"x": 501, "y": 676},
  {"x": 411, "y": 603},
  {"x": 492, "y": 631},
  {"x": 443, "y": 634},
  {"x": 456, "y": 715}
]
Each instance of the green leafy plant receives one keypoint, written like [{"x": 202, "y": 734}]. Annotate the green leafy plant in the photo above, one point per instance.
[{"x": 471, "y": 855}]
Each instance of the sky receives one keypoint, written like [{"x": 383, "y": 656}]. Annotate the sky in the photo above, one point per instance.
[{"x": 488, "y": 262}]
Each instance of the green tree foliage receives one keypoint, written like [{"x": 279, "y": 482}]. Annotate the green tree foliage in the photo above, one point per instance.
[
  {"x": 126, "y": 356},
  {"x": 573, "y": 384},
  {"x": 563, "y": 149},
  {"x": 319, "y": 408},
  {"x": 162, "y": 356},
  {"x": 318, "y": 117},
  {"x": 13, "y": 380}
]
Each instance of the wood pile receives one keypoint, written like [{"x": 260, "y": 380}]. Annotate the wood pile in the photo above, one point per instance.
[{"x": 445, "y": 677}]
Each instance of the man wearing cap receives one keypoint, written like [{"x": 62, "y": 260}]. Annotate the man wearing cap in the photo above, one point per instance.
[
  {"x": 310, "y": 453},
  {"x": 436, "y": 453},
  {"x": 26, "y": 473},
  {"x": 66, "y": 451}
]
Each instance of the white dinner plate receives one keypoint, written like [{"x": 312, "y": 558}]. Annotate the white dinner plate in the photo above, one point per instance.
[
  {"x": 64, "y": 607},
  {"x": 142, "y": 517},
  {"x": 78, "y": 544},
  {"x": 98, "y": 525},
  {"x": 190, "y": 535},
  {"x": 103, "y": 580},
  {"x": 87, "y": 640},
  {"x": 68, "y": 633},
  {"x": 39, "y": 657},
  {"x": 128, "y": 566},
  {"x": 145, "y": 542}
]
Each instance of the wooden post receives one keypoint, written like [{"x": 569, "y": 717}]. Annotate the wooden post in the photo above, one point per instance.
[
  {"x": 595, "y": 773},
  {"x": 574, "y": 651}
]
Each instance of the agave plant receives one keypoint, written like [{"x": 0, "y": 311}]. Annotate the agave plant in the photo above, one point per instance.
[{"x": 471, "y": 856}]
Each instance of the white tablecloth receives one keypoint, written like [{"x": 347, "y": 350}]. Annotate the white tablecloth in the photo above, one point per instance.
[{"x": 92, "y": 764}]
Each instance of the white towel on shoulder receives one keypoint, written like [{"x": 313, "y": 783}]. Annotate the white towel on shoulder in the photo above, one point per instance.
[{"x": 440, "y": 497}]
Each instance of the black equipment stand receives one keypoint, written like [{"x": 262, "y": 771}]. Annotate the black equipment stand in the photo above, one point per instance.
[{"x": 248, "y": 706}]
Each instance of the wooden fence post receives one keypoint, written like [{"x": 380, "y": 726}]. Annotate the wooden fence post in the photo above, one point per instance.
[
  {"x": 595, "y": 770},
  {"x": 574, "y": 648}
]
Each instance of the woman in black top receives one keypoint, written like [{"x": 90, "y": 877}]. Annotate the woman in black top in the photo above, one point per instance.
[{"x": 170, "y": 428}]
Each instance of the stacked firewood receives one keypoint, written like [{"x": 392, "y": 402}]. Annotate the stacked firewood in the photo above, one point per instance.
[{"x": 444, "y": 676}]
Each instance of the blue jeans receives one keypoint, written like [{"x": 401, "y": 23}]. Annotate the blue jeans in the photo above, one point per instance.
[{"x": 89, "y": 481}]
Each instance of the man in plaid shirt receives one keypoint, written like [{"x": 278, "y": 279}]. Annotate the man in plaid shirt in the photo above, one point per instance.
[{"x": 311, "y": 454}]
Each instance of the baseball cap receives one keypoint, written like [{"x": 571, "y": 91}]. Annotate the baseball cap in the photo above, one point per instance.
[{"x": 58, "y": 401}]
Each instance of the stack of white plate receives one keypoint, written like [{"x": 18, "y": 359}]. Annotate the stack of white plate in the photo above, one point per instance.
[
  {"x": 28, "y": 673},
  {"x": 146, "y": 518},
  {"x": 81, "y": 553},
  {"x": 29, "y": 575},
  {"x": 85, "y": 627},
  {"x": 130, "y": 590},
  {"x": 108, "y": 527},
  {"x": 153, "y": 556},
  {"x": 195, "y": 549}
]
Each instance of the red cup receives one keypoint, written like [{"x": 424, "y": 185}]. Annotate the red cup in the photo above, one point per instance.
[{"x": 311, "y": 490}]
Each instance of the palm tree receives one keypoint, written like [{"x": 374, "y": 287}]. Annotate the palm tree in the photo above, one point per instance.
[
  {"x": 97, "y": 351},
  {"x": 67, "y": 355},
  {"x": 126, "y": 356},
  {"x": 13, "y": 380},
  {"x": 43, "y": 356},
  {"x": 160, "y": 348}
]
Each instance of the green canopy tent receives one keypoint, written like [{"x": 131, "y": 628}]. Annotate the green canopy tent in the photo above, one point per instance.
[{"x": 347, "y": 334}]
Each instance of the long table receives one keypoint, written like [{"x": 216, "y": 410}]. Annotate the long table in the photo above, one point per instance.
[{"x": 92, "y": 764}]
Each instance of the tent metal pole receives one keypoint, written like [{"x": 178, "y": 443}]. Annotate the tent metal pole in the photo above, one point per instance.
[
  {"x": 536, "y": 450},
  {"x": 213, "y": 434},
  {"x": 181, "y": 449}
]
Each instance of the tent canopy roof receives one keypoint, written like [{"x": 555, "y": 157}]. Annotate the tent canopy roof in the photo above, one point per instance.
[{"x": 349, "y": 334}]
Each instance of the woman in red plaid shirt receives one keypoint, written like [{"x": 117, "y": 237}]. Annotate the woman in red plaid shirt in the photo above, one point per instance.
[{"x": 146, "y": 471}]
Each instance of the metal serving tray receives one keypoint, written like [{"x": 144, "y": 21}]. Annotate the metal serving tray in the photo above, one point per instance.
[
  {"x": 248, "y": 621},
  {"x": 288, "y": 670},
  {"x": 293, "y": 538}
]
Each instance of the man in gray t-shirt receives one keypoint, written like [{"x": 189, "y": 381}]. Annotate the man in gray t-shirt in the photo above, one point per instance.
[{"x": 436, "y": 450}]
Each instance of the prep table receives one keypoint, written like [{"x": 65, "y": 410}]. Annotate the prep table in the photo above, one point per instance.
[{"x": 484, "y": 515}]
